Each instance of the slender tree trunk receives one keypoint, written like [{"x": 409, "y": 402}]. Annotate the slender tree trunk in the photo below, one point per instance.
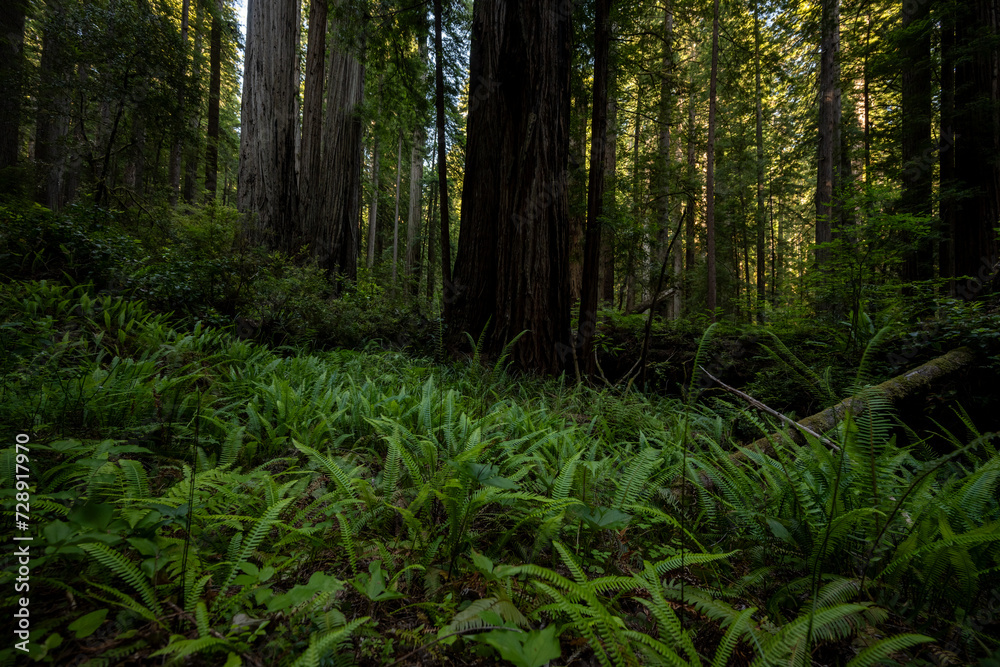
[
  {"x": 692, "y": 200},
  {"x": 630, "y": 287},
  {"x": 577, "y": 185},
  {"x": 513, "y": 251},
  {"x": 666, "y": 107},
  {"x": 373, "y": 208},
  {"x": 916, "y": 118},
  {"x": 52, "y": 121},
  {"x": 214, "y": 100},
  {"x": 395, "y": 217},
  {"x": 267, "y": 188},
  {"x": 431, "y": 242},
  {"x": 827, "y": 183},
  {"x": 174, "y": 175},
  {"x": 946, "y": 150},
  {"x": 760, "y": 211},
  {"x": 610, "y": 188},
  {"x": 442, "y": 153},
  {"x": 710, "y": 169},
  {"x": 12, "y": 17},
  {"x": 867, "y": 95},
  {"x": 595, "y": 191},
  {"x": 193, "y": 152},
  {"x": 412, "y": 263}
]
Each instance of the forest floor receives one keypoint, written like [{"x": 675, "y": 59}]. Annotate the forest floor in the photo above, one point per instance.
[{"x": 199, "y": 498}]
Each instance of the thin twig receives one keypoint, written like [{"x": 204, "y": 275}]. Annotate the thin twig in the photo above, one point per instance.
[{"x": 774, "y": 413}]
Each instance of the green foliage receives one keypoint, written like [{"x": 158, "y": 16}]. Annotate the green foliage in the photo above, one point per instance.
[{"x": 204, "y": 498}]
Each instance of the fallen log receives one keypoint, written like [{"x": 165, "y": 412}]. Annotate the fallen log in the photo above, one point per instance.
[{"x": 920, "y": 378}]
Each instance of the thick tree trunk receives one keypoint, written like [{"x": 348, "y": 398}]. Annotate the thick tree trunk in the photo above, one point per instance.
[
  {"x": 12, "y": 17},
  {"x": 512, "y": 265},
  {"x": 267, "y": 188},
  {"x": 312, "y": 108},
  {"x": 710, "y": 169},
  {"x": 595, "y": 193},
  {"x": 917, "y": 151},
  {"x": 692, "y": 200},
  {"x": 334, "y": 230},
  {"x": 977, "y": 100}
]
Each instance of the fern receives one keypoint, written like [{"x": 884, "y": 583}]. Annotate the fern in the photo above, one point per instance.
[
  {"x": 883, "y": 648},
  {"x": 257, "y": 535},
  {"x": 125, "y": 569}
]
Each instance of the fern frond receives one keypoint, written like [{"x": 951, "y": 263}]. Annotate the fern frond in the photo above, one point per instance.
[{"x": 127, "y": 570}]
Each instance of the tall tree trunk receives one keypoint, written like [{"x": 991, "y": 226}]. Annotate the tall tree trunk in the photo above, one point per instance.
[
  {"x": 916, "y": 117},
  {"x": 411, "y": 264},
  {"x": 330, "y": 220},
  {"x": 760, "y": 212},
  {"x": 630, "y": 286},
  {"x": 135, "y": 165},
  {"x": 595, "y": 191},
  {"x": 373, "y": 208},
  {"x": 431, "y": 242},
  {"x": 52, "y": 121},
  {"x": 192, "y": 154},
  {"x": 174, "y": 169},
  {"x": 513, "y": 264},
  {"x": 412, "y": 261},
  {"x": 710, "y": 169},
  {"x": 267, "y": 188},
  {"x": 663, "y": 230},
  {"x": 395, "y": 217},
  {"x": 946, "y": 149},
  {"x": 866, "y": 92},
  {"x": 442, "y": 161},
  {"x": 610, "y": 188},
  {"x": 12, "y": 17},
  {"x": 576, "y": 186},
  {"x": 214, "y": 100},
  {"x": 444, "y": 213},
  {"x": 977, "y": 172},
  {"x": 692, "y": 200},
  {"x": 827, "y": 179}
]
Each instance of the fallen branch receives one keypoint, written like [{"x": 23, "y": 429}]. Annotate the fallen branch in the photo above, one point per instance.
[
  {"x": 920, "y": 378},
  {"x": 646, "y": 305},
  {"x": 774, "y": 413}
]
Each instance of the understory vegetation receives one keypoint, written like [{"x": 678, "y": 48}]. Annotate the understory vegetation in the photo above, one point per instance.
[{"x": 202, "y": 499}]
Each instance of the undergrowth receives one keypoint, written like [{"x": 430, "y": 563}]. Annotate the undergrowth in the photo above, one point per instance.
[{"x": 201, "y": 499}]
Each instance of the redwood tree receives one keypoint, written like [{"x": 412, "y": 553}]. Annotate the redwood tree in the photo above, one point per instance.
[
  {"x": 267, "y": 187},
  {"x": 512, "y": 269}
]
